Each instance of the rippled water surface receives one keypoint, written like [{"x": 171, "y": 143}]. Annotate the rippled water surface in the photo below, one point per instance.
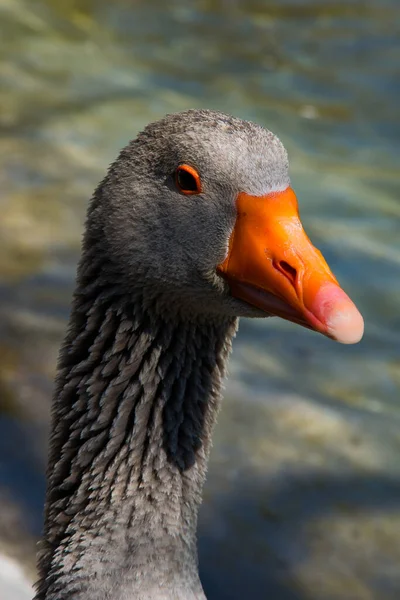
[{"x": 303, "y": 496}]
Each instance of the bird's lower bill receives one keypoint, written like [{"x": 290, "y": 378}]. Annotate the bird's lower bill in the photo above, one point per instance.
[
  {"x": 268, "y": 303},
  {"x": 333, "y": 314},
  {"x": 271, "y": 264}
]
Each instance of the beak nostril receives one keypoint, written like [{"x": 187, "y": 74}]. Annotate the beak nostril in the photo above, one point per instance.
[{"x": 288, "y": 270}]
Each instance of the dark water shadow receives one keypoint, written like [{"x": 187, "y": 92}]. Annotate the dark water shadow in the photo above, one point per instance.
[
  {"x": 234, "y": 565},
  {"x": 21, "y": 471}
]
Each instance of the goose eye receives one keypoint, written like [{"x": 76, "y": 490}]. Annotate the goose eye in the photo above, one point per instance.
[{"x": 187, "y": 180}]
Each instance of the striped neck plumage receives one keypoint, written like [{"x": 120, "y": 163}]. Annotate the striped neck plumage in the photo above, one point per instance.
[{"x": 136, "y": 399}]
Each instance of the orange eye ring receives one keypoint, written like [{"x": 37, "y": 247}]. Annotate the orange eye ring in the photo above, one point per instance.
[{"x": 187, "y": 180}]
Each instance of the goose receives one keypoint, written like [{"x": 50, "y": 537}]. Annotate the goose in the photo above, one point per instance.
[{"x": 194, "y": 225}]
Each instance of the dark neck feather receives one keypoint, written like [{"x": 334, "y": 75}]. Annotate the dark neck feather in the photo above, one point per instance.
[{"x": 136, "y": 399}]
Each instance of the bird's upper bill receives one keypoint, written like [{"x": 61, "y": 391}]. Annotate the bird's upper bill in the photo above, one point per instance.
[{"x": 272, "y": 265}]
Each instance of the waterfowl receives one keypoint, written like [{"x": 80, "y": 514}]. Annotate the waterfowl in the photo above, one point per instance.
[{"x": 194, "y": 225}]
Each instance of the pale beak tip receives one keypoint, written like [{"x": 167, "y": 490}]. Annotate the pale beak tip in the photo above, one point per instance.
[
  {"x": 346, "y": 327},
  {"x": 340, "y": 317}
]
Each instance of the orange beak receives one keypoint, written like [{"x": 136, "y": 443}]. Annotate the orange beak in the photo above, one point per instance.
[{"x": 272, "y": 265}]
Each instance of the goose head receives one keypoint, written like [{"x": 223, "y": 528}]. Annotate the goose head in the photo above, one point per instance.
[{"x": 199, "y": 216}]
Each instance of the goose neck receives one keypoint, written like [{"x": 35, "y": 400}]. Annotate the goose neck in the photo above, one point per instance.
[{"x": 136, "y": 401}]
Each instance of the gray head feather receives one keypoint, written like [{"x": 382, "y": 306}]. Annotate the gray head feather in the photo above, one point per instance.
[{"x": 170, "y": 244}]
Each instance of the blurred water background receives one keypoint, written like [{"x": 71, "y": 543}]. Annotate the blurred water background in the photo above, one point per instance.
[{"x": 303, "y": 496}]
